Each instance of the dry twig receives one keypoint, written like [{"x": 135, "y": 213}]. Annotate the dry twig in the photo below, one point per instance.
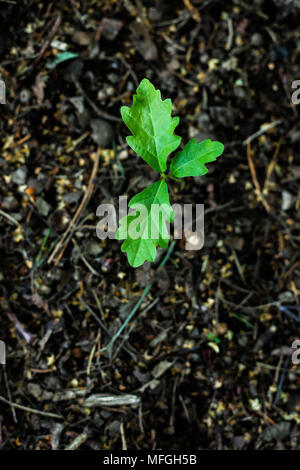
[
  {"x": 254, "y": 178},
  {"x": 31, "y": 410},
  {"x": 66, "y": 237},
  {"x": 48, "y": 40}
]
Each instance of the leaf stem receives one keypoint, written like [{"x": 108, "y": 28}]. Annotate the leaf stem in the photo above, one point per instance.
[
  {"x": 165, "y": 176},
  {"x": 169, "y": 175}
]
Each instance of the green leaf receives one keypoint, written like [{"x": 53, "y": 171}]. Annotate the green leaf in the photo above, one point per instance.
[
  {"x": 138, "y": 250},
  {"x": 62, "y": 57},
  {"x": 146, "y": 228},
  {"x": 149, "y": 119},
  {"x": 191, "y": 160}
]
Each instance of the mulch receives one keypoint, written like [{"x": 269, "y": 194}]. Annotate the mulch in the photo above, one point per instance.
[{"x": 193, "y": 351}]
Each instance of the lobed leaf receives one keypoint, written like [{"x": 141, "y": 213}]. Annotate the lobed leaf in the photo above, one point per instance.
[
  {"x": 136, "y": 228},
  {"x": 191, "y": 160},
  {"x": 149, "y": 119}
]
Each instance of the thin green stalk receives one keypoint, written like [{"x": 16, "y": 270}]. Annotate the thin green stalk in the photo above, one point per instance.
[
  {"x": 138, "y": 304},
  {"x": 44, "y": 242}
]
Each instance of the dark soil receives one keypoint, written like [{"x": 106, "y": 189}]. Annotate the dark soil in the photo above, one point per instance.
[{"x": 206, "y": 358}]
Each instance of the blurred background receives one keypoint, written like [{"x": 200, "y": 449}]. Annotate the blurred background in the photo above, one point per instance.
[{"x": 205, "y": 360}]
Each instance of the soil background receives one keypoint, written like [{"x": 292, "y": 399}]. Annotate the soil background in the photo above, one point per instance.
[{"x": 205, "y": 360}]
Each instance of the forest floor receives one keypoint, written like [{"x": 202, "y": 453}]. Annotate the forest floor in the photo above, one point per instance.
[{"x": 205, "y": 361}]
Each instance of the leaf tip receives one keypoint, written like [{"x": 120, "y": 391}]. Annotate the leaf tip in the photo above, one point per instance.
[
  {"x": 220, "y": 148},
  {"x": 145, "y": 85},
  {"x": 123, "y": 111}
]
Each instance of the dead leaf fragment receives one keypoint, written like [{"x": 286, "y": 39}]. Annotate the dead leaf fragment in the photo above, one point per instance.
[
  {"x": 102, "y": 399},
  {"x": 38, "y": 88},
  {"x": 110, "y": 28},
  {"x": 81, "y": 38}
]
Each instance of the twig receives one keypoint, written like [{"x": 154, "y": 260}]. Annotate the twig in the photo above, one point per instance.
[
  {"x": 282, "y": 377},
  {"x": 9, "y": 217},
  {"x": 173, "y": 43},
  {"x": 31, "y": 410},
  {"x": 173, "y": 401},
  {"x": 290, "y": 271},
  {"x": 42, "y": 371},
  {"x": 63, "y": 242},
  {"x": 265, "y": 416},
  {"x": 278, "y": 367},
  {"x": 238, "y": 265},
  {"x": 98, "y": 111},
  {"x": 254, "y": 178},
  {"x": 48, "y": 40},
  {"x": 95, "y": 316},
  {"x": 9, "y": 396},
  {"x": 185, "y": 80},
  {"x": 123, "y": 439},
  {"x": 186, "y": 411},
  {"x": 98, "y": 304},
  {"x": 285, "y": 310},
  {"x": 249, "y": 309},
  {"x": 230, "y": 34},
  {"x": 271, "y": 167},
  {"x": 140, "y": 301},
  {"x": 271, "y": 367},
  {"x": 77, "y": 141},
  {"x": 261, "y": 131},
  {"x": 193, "y": 10},
  {"x": 140, "y": 415},
  {"x": 218, "y": 208},
  {"x": 91, "y": 269},
  {"x": 77, "y": 441},
  {"x": 88, "y": 369}
]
